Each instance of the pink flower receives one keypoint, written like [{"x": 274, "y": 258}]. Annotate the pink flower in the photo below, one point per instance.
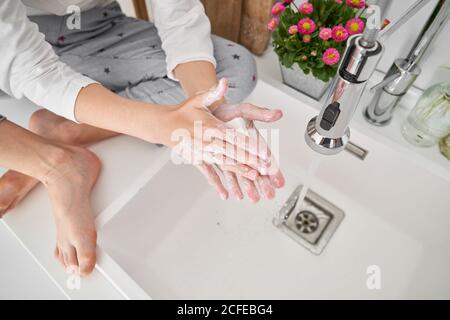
[
  {"x": 306, "y": 8},
  {"x": 356, "y": 4},
  {"x": 306, "y": 26},
  {"x": 331, "y": 56},
  {"x": 338, "y": 1},
  {"x": 325, "y": 33},
  {"x": 273, "y": 23},
  {"x": 354, "y": 26},
  {"x": 293, "y": 29},
  {"x": 278, "y": 8},
  {"x": 339, "y": 33}
]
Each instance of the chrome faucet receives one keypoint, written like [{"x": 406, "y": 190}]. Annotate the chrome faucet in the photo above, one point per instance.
[
  {"x": 329, "y": 132},
  {"x": 404, "y": 71}
]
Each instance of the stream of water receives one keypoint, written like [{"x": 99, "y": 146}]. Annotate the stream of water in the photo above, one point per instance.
[{"x": 310, "y": 174}]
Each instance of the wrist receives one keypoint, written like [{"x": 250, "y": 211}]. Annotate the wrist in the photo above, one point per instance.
[{"x": 155, "y": 124}]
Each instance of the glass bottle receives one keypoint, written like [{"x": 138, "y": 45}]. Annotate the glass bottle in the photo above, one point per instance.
[
  {"x": 444, "y": 146},
  {"x": 429, "y": 120}
]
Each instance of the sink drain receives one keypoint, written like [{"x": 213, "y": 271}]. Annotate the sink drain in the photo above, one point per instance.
[
  {"x": 311, "y": 222},
  {"x": 306, "y": 222}
]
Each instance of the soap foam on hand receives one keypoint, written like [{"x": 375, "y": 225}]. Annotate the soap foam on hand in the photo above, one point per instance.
[
  {"x": 240, "y": 125},
  {"x": 216, "y": 93}
]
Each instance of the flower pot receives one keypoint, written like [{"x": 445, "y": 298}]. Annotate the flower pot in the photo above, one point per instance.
[{"x": 305, "y": 83}]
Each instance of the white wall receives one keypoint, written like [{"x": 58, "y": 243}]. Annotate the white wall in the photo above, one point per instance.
[{"x": 127, "y": 7}]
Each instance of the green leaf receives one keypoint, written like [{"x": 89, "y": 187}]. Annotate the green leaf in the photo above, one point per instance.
[{"x": 288, "y": 59}]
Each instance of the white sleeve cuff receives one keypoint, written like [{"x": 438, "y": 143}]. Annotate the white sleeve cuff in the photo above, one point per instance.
[{"x": 70, "y": 96}]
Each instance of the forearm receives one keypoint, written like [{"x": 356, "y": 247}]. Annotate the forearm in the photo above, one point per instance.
[
  {"x": 97, "y": 106},
  {"x": 197, "y": 76}
]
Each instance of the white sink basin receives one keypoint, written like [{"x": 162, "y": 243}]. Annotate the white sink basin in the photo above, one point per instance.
[
  {"x": 164, "y": 233},
  {"x": 177, "y": 239}
]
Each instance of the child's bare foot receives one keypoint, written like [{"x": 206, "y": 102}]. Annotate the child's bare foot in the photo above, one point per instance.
[
  {"x": 72, "y": 174},
  {"x": 15, "y": 186}
]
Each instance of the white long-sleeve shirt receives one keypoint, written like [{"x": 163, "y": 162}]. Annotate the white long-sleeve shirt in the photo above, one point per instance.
[{"x": 30, "y": 68}]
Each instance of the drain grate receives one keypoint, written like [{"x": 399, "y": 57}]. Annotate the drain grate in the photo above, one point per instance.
[
  {"x": 306, "y": 222},
  {"x": 312, "y": 222}
]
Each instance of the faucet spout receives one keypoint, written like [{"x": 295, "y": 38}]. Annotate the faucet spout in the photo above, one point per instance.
[{"x": 329, "y": 132}]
